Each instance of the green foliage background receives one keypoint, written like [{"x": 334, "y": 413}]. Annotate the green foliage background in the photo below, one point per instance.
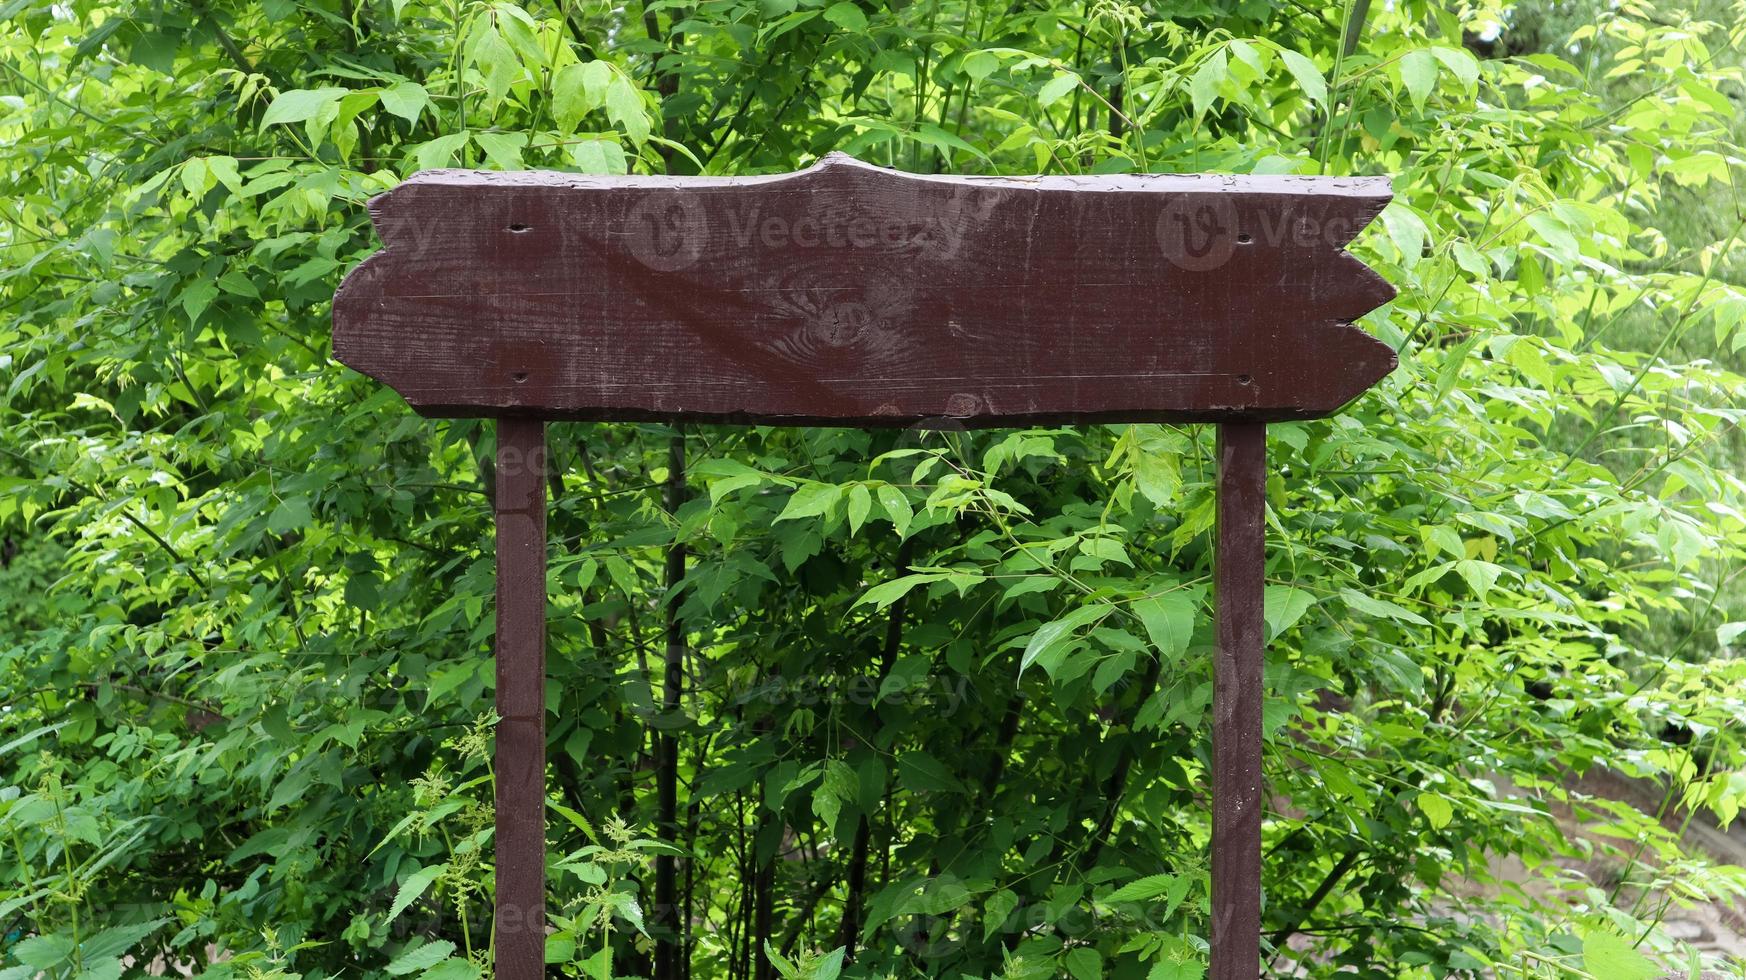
[{"x": 245, "y": 670}]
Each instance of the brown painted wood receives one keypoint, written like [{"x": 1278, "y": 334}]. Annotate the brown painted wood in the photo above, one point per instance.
[
  {"x": 850, "y": 295},
  {"x": 520, "y": 762},
  {"x": 1238, "y": 573},
  {"x": 669, "y": 919}
]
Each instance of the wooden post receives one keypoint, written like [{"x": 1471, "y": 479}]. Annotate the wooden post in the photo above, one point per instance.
[
  {"x": 521, "y": 699},
  {"x": 1239, "y": 564},
  {"x": 670, "y": 957}
]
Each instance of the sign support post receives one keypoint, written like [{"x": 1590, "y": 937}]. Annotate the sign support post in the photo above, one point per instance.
[
  {"x": 520, "y": 761},
  {"x": 1239, "y": 561}
]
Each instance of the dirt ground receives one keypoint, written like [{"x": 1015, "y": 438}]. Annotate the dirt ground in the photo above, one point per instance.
[{"x": 1715, "y": 930}]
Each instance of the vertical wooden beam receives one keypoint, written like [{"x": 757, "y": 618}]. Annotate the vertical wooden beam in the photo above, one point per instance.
[
  {"x": 1238, "y": 575},
  {"x": 669, "y": 918},
  {"x": 521, "y": 699}
]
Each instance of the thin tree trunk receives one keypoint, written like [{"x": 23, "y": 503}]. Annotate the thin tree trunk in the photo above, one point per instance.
[
  {"x": 857, "y": 879},
  {"x": 764, "y": 913},
  {"x": 1355, "y": 27}
]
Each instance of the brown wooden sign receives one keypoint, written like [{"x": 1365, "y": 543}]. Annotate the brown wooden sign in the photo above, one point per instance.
[{"x": 850, "y": 295}]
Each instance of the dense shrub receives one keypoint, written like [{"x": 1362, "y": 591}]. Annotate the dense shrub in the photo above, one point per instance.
[{"x": 945, "y": 701}]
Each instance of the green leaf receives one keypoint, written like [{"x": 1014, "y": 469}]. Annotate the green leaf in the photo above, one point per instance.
[
  {"x": 577, "y": 820},
  {"x": 197, "y": 297},
  {"x": 1453, "y": 362},
  {"x": 196, "y": 177},
  {"x": 496, "y": 60},
  {"x": 363, "y": 591},
  {"x": 624, "y": 106},
  {"x": 1460, "y": 63},
  {"x": 1158, "y": 475},
  {"x": 860, "y": 504},
  {"x": 502, "y": 150},
  {"x": 601, "y": 156},
  {"x": 921, "y": 772},
  {"x": 1418, "y": 72},
  {"x": 291, "y": 515},
  {"x": 627, "y": 908},
  {"x": 846, "y": 15},
  {"x": 724, "y": 476},
  {"x": 839, "y": 786},
  {"x": 1282, "y": 607},
  {"x": 1053, "y": 89},
  {"x": 99, "y": 967},
  {"x": 1609, "y": 956},
  {"x": 1058, "y": 633},
  {"x": 455, "y": 968},
  {"x": 896, "y": 507},
  {"x": 1169, "y": 621},
  {"x": 32, "y": 736},
  {"x": 1150, "y": 886},
  {"x": 830, "y": 965},
  {"x": 1208, "y": 78},
  {"x": 1177, "y": 961},
  {"x": 1105, "y": 550},
  {"x": 421, "y": 957},
  {"x": 811, "y": 500},
  {"x": 784, "y": 967},
  {"x": 1381, "y": 608},
  {"x": 886, "y": 593},
  {"x": 1436, "y": 809},
  {"x": 939, "y": 138},
  {"x": 560, "y": 948},
  {"x": 577, "y": 90},
  {"x": 1407, "y": 230},
  {"x": 1083, "y": 963},
  {"x": 979, "y": 64},
  {"x": 299, "y": 105},
  {"x": 413, "y": 887},
  {"x": 1479, "y": 575},
  {"x": 996, "y": 910},
  {"x": 224, "y": 168},
  {"x": 597, "y": 77},
  {"x": 1442, "y": 538},
  {"x": 43, "y": 952},
  {"x": 1308, "y": 76},
  {"x": 406, "y": 100},
  {"x": 441, "y": 151}
]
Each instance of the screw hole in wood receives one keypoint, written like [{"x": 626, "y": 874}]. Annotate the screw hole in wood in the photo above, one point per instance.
[
  {"x": 519, "y": 228},
  {"x": 519, "y": 377}
]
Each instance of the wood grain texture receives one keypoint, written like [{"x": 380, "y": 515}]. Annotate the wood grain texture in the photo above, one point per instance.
[
  {"x": 850, "y": 295},
  {"x": 520, "y": 760},
  {"x": 1238, "y": 575}
]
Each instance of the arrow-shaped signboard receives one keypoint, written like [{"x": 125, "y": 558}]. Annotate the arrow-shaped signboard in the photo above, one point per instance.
[{"x": 850, "y": 295}]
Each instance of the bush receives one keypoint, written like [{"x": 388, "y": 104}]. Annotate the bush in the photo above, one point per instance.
[{"x": 945, "y": 700}]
